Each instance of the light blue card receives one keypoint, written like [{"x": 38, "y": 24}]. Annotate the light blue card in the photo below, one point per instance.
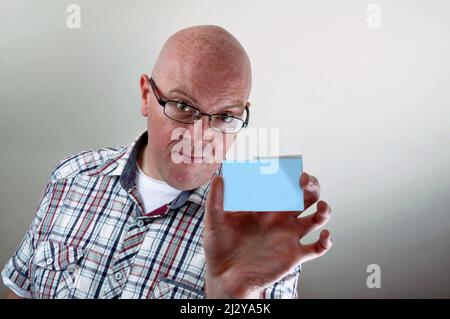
[{"x": 263, "y": 184}]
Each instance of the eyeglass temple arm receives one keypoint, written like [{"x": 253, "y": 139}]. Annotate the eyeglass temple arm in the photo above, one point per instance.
[
  {"x": 248, "y": 115},
  {"x": 157, "y": 92}
]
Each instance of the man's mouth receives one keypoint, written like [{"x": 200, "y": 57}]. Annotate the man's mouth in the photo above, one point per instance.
[
  {"x": 193, "y": 158},
  {"x": 188, "y": 158}
]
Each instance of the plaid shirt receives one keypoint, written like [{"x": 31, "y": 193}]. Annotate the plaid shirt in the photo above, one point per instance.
[{"x": 91, "y": 238}]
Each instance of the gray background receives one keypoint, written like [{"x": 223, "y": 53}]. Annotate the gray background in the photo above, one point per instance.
[{"x": 368, "y": 108}]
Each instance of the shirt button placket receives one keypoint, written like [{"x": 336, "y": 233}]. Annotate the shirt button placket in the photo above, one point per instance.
[
  {"x": 118, "y": 276},
  {"x": 140, "y": 223}
]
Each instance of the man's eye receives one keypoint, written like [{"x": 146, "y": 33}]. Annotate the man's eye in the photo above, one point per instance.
[
  {"x": 226, "y": 118},
  {"x": 183, "y": 107}
]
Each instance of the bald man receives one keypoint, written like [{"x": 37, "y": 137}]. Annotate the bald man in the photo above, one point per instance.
[{"x": 146, "y": 220}]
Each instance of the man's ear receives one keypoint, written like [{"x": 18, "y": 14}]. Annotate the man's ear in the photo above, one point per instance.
[{"x": 145, "y": 90}]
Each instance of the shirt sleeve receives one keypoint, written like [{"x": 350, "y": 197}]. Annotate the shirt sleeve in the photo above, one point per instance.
[
  {"x": 15, "y": 273},
  {"x": 286, "y": 288}
]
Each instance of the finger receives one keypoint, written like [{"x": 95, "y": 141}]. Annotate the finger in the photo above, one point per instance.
[
  {"x": 214, "y": 202},
  {"x": 311, "y": 189},
  {"x": 317, "y": 249},
  {"x": 314, "y": 221}
]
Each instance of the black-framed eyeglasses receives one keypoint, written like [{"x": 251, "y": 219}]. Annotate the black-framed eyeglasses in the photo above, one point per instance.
[{"x": 184, "y": 113}]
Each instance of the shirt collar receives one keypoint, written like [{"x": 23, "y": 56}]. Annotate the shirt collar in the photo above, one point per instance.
[{"x": 124, "y": 165}]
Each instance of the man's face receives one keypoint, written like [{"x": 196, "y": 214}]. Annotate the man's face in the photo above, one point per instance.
[{"x": 186, "y": 155}]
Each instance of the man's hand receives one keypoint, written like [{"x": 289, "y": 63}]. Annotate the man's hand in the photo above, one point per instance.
[{"x": 247, "y": 252}]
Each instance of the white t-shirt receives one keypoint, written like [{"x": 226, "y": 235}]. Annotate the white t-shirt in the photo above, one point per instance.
[{"x": 154, "y": 193}]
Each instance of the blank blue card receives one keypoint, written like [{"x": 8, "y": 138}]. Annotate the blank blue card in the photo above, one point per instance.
[{"x": 263, "y": 184}]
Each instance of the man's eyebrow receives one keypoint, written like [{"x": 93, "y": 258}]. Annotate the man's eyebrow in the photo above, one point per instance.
[
  {"x": 232, "y": 106},
  {"x": 235, "y": 104},
  {"x": 182, "y": 92}
]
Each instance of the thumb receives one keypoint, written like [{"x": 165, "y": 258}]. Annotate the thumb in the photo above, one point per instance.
[{"x": 214, "y": 202}]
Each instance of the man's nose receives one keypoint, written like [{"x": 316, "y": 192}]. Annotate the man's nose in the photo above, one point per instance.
[
  {"x": 201, "y": 133},
  {"x": 200, "y": 126}
]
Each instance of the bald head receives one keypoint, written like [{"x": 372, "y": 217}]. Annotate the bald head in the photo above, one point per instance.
[{"x": 207, "y": 61}]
